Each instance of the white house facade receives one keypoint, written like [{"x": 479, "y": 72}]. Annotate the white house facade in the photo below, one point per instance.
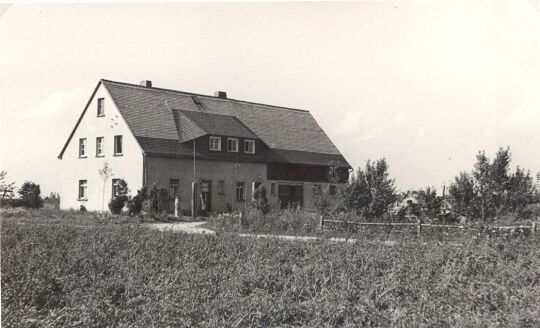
[{"x": 166, "y": 138}]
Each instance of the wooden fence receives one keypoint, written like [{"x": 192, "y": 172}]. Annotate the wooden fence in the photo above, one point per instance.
[{"x": 419, "y": 225}]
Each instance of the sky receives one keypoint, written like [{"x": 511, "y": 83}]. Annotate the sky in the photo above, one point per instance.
[{"x": 424, "y": 84}]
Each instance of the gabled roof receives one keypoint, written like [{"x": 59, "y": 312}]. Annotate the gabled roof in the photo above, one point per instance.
[
  {"x": 161, "y": 119},
  {"x": 194, "y": 124},
  {"x": 278, "y": 127}
]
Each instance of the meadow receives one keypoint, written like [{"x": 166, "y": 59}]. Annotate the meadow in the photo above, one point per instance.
[{"x": 73, "y": 269}]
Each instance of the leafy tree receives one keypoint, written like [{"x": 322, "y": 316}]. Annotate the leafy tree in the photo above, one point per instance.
[
  {"x": 428, "y": 202},
  {"x": 500, "y": 178},
  {"x": 491, "y": 189},
  {"x": 520, "y": 190},
  {"x": 371, "y": 192},
  {"x": 6, "y": 188},
  {"x": 482, "y": 184},
  {"x": 462, "y": 194},
  {"x": 30, "y": 195}
]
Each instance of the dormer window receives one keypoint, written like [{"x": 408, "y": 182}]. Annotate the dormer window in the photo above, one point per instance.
[
  {"x": 215, "y": 143},
  {"x": 249, "y": 146},
  {"x": 101, "y": 107},
  {"x": 232, "y": 145}
]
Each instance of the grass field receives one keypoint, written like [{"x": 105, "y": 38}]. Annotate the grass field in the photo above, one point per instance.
[{"x": 72, "y": 271}]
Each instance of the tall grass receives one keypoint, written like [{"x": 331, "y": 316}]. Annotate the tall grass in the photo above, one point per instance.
[
  {"x": 126, "y": 276},
  {"x": 287, "y": 221}
]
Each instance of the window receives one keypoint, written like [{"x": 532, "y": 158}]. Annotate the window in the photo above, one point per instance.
[
  {"x": 82, "y": 147},
  {"x": 221, "y": 187},
  {"x": 101, "y": 107},
  {"x": 115, "y": 187},
  {"x": 215, "y": 143},
  {"x": 249, "y": 146},
  {"x": 240, "y": 186},
  {"x": 99, "y": 147},
  {"x": 174, "y": 183},
  {"x": 232, "y": 145},
  {"x": 82, "y": 189},
  {"x": 118, "y": 145},
  {"x": 333, "y": 190}
]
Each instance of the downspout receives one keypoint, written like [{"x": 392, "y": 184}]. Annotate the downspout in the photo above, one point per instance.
[{"x": 144, "y": 170}]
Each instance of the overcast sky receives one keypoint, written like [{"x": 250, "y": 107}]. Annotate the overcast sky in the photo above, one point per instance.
[{"x": 424, "y": 84}]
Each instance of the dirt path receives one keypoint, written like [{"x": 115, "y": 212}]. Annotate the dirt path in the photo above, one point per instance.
[
  {"x": 194, "y": 227},
  {"x": 187, "y": 227}
]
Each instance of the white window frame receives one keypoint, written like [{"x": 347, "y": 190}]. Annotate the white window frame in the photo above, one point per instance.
[
  {"x": 249, "y": 142},
  {"x": 240, "y": 186},
  {"x": 101, "y": 101},
  {"x": 115, "y": 190},
  {"x": 83, "y": 185},
  {"x": 174, "y": 185},
  {"x": 236, "y": 143},
  {"x": 116, "y": 152},
  {"x": 211, "y": 146},
  {"x": 82, "y": 147},
  {"x": 99, "y": 146}
]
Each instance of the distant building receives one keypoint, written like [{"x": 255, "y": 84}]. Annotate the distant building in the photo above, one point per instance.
[{"x": 150, "y": 136}]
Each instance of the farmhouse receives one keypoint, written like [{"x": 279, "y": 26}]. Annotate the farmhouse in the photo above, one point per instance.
[{"x": 153, "y": 136}]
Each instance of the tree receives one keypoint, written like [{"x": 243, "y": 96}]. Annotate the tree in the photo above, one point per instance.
[
  {"x": 371, "y": 192},
  {"x": 500, "y": 178},
  {"x": 462, "y": 194},
  {"x": 30, "y": 195},
  {"x": 105, "y": 172},
  {"x": 6, "y": 188},
  {"x": 491, "y": 189},
  {"x": 520, "y": 190},
  {"x": 428, "y": 202},
  {"x": 482, "y": 179}
]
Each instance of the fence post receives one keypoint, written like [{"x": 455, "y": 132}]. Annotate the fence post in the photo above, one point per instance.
[
  {"x": 241, "y": 218},
  {"x": 321, "y": 222},
  {"x": 419, "y": 226},
  {"x": 533, "y": 227}
]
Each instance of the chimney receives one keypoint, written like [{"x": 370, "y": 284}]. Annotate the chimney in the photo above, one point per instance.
[
  {"x": 220, "y": 94},
  {"x": 146, "y": 83}
]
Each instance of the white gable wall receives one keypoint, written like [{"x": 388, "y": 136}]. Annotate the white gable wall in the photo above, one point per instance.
[{"x": 129, "y": 166}]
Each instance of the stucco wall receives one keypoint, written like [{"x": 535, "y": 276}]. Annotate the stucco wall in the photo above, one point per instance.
[
  {"x": 129, "y": 166},
  {"x": 160, "y": 170}
]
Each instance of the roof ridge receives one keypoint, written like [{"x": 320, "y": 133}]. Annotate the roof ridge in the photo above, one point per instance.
[{"x": 201, "y": 95}]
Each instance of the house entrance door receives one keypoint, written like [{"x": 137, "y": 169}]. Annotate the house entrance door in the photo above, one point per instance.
[
  {"x": 290, "y": 195},
  {"x": 206, "y": 196}
]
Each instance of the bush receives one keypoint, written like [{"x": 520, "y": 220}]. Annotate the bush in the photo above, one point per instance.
[
  {"x": 118, "y": 202},
  {"x": 260, "y": 202},
  {"x": 135, "y": 205},
  {"x": 11, "y": 202},
  {"x": 116, "y": 205},
  {"x": 30, "y": 195}
]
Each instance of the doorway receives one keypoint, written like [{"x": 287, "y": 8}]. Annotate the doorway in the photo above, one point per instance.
[
  {"x": 290, "y": 195},
  {"x": 206, "y": 196}
]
